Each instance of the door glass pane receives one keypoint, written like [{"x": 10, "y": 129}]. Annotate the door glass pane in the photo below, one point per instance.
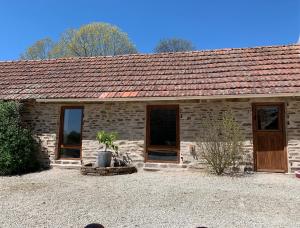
[
  {"x": 267, "y": 118},
  {"x": 163, "y": 127},
  {"x": 162, "y": 155},
  {"x": 72, "y": 127},
  {"x": 69, "y": 153}
]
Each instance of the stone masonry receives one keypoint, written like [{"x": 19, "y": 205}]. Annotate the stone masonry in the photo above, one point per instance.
[
  {"x": 128, "y": 119},
  {"x": 293, "y": 133}
]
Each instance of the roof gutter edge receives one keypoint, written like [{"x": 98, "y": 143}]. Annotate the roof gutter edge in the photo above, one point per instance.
[{"x": 55, "y": 100}]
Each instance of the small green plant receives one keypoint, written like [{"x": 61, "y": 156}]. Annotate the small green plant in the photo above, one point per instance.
[
  {"x": 18, "y": 148},
  {"x": 108, "y": 139}
]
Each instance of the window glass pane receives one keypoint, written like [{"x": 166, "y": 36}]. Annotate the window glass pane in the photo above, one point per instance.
[
  {"x": 72, "y": 127},
  {"x": 163, "y": 127},
  {"x": 267, "y": 118},
  {"x": 162, "y": 155},
  {"x": 69, "y": 153}
]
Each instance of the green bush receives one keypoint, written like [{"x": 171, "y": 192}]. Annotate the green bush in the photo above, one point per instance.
[
  {"x": 222, "y": 144},
  {"x": 18, "y": 149}
]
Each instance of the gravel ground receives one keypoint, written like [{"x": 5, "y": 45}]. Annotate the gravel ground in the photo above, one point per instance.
[{"x": 64, "y": 198}]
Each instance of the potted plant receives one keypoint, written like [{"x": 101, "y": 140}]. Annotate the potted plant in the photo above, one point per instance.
[{"x": 108, "y": 140}]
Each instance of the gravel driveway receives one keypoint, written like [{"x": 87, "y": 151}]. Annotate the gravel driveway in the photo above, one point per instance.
[{"x": 64, "y": 198}]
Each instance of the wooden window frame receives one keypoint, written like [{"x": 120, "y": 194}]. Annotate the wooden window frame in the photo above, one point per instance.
[
  {"x": 61, "y": 129},
  {"x": 149, "y": 147}
]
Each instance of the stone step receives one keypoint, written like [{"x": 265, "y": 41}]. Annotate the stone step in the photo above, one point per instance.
[
  {"x": 164, "y": 167},
  {"x": 66, "y": 166}
]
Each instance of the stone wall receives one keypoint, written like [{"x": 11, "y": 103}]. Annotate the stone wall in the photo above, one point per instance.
[
  {"x": 43, "y": 119},
  {"x": 193, "y": 116},
  {"x": 128, "y": 119},
  {"x": 293, "y": 134}
]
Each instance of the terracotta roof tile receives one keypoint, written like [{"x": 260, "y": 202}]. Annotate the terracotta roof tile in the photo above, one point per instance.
[{"x": 241, "y": 71}]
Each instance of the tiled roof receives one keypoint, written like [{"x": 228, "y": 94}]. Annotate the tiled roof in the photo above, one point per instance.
[{"x": 242, "y": 71}]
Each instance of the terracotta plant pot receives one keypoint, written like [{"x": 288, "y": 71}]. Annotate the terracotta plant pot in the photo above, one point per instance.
[
  {"x": 297, "y": 173},
  {"x": 104, "y": 158}
]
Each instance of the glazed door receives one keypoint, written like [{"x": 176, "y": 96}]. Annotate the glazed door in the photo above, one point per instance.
[
  {"x": 162, "y": 143},
  {"x": 269, "y": 138},
  {"x": 70, "y": 133}
]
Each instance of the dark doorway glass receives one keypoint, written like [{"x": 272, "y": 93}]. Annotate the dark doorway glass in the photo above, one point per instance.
[
  {"x": 268, "y": 118},
  {"x": 69, "y": 153},
  {"x": 70, "y": 145},
  {"x": 162, "y": 155},
  {"x": 72, "y": 127},
  {"x": 163, "y": 133},
  {"x": 163, "y": 127}
]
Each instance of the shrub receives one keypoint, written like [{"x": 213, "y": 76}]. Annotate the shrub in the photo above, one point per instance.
[
  {"x": 18, "y": 149},
  {"x": 107, "y": 139},
  {"x": 222, "y": 144}
]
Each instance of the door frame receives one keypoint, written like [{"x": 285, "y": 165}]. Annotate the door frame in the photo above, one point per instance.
[
  {"x": 61, "y": 129},
  {"x": 283, "y": 128},
  {"x": 174, "y": 148}
]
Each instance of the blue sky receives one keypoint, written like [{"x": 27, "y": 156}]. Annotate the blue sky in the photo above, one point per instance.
[{"x": 209, "y": 24}]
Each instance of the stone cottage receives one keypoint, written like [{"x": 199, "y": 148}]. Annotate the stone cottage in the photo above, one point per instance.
[{"x": 157, "y": 103}]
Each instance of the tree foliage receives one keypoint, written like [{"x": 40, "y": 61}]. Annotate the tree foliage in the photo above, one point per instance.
[
  {"x": 174, "y": 45},
  {"x": 18, "y": 149},
  {"x": 95, "y": 39},
  {"x": 41, "y": 49},
  {"x": 222, "y": 144}
]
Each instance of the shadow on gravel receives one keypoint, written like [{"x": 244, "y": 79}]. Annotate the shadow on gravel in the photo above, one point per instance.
[
  {"x": 94, "y": 225},
  {"x": 40, "y": 170}
]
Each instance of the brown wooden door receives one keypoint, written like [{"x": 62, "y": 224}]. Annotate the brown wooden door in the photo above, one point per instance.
[{"x": 269, "y": 137}]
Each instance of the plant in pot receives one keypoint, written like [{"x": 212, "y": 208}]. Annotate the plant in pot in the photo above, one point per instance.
[{"x": 108, "y": 140}]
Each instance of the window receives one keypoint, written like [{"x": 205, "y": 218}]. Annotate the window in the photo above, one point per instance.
[
  {"x": 70, "y": 133},
  {"x": 162, "y": 133},
  {"x": 267, "y": 118}
]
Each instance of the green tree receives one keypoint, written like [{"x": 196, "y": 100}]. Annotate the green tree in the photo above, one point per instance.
[
  {"x": 96, "y": 39},
  {"x": 174, "y": 45},
  {"x": 39, "y": 50}
]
